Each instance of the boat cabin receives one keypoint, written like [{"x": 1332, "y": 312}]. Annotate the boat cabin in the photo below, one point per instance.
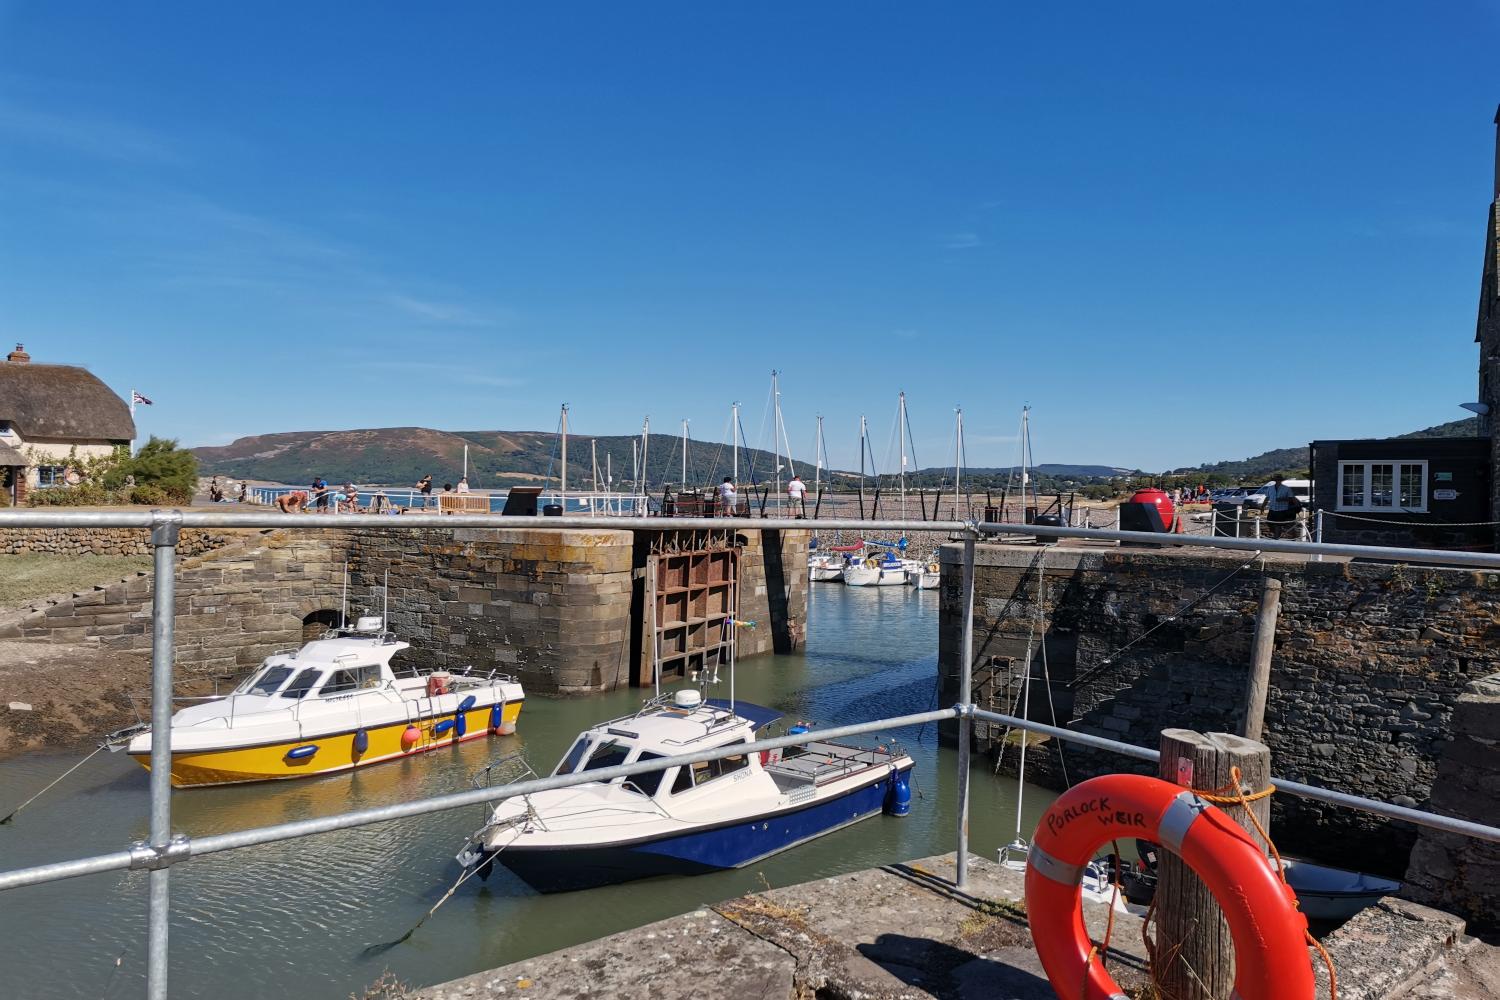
[{"x": 349, "y": 660}]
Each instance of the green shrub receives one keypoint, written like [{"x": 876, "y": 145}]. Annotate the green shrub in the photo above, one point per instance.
[
  {"x": 159, "y": 463},
  {"x": 83, "y": 495},
  {"x": 151, "y": 496}
]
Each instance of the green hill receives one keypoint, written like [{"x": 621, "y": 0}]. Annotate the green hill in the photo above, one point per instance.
[
  {"x": 1258, "y": 467},
  {"x": 399, "y": 456}
]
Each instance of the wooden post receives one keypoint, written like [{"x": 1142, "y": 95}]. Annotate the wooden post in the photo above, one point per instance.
[
  {"x": 1260, "y": 660},
  {"x": 1194, "y": 954}
]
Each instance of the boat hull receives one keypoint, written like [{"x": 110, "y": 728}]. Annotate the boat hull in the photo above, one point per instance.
[
  {"x": 335, "y": 751},
  {"x": 704, "y": 849}
]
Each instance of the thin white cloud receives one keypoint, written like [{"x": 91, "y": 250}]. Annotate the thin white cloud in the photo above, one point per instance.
[
  {"x": 961, "y": 241},
  {"x": 442, "y": 313},
  {"x": 439, "y": 372},
  {"x": 91, "y": 135}
]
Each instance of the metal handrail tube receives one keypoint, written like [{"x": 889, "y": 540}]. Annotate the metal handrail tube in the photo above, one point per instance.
[
  {"x": 1418, "y": 817},
  {"x": 213, "y": 844},
  {"x": 192, "y": 518},
  {"x": 1451, "y": 557}
]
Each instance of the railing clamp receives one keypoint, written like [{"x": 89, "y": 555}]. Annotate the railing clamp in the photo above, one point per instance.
[
  {"x": 166, "y": 527},
  {"x": 963, "y": 710},
  {"x": 144, "y": 857}
]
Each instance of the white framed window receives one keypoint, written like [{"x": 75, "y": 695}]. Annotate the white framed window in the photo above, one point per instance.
[{"x": 1389, "y": 486}]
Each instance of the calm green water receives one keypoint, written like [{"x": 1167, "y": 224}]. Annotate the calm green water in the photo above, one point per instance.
[{"x": 291, "y": 920}]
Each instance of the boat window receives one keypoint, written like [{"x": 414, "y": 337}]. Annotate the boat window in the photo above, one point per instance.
[
  {"x": 708, "y": 770},
  {"x": 302, "y": 683},
  {"x": 575, "y": 755},
  {"x": 351, "y": 679},
  {"x": 647, "y": 783},
  {"x": 684, "y": 780},
  {"x": 270, "y": 681},
  {"x": 610, "y": 753}
]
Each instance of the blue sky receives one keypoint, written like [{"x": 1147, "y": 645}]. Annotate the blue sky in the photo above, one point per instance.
[{"x": 1182, "y": 232}]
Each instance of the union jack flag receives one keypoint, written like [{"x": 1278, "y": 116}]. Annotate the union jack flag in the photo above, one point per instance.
[{"x": 136, "y": 397}]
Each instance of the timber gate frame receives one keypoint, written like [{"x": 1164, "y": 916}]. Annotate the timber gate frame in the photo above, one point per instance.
[{"x": 691, "y": 597}]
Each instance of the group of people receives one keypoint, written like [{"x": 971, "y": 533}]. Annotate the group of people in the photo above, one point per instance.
[
  {"x": 796, "y": 495},
  {"x": 325, "y": 499},
  {"x": 216, "y": 492}
]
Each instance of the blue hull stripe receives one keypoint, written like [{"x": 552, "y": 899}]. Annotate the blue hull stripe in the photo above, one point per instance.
[{"x": 730, "y": 845}]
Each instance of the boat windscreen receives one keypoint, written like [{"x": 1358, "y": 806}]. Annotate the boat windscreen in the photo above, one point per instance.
[
  {"x": 302, "y": 683},
  {"x": 610, "y": 753},
  {"x": 575, "y": 756},
  {"x": 267, "y": 682},
  {"x": 758, "y": 715}
]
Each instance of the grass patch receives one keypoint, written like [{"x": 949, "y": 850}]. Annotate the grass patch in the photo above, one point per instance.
[{"x": 26, "y": 577}]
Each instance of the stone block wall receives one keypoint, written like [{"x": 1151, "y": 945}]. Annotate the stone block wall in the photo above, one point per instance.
[
  {"x": 773, "y": 590},
  {"x": 1369, "y": 664},
  {"x": 234, "y": 605},
  {"x": 551, "y": 607},
  {"x": 1446, "y": 870},
  {"x": 107, "y": 541}
]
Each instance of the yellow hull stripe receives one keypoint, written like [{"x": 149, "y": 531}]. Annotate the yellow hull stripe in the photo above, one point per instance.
[{"x": 335, "y": 752}]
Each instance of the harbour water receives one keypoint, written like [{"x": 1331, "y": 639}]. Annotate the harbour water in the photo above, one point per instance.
[{"x": 292, "y": 919}]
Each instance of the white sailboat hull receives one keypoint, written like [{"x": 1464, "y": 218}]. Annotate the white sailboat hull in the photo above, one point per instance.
[{"x": 874, "y": 576}]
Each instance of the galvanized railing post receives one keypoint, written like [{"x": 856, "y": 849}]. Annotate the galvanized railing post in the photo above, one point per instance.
[
  {"x": 1318, "y": 535},
  {"x": 966, "y": 712},
  {"x": 164, "y": 533}
]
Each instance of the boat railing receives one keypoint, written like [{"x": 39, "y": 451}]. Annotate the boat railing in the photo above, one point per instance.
[{"x": 163, "y": 850}]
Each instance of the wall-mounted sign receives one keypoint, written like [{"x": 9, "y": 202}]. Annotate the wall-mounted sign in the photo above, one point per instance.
[
  {"x": 1443, "y": 477},
  {"x": 1445, "y": 494}
]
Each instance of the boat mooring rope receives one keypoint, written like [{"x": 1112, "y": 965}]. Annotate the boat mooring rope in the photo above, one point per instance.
[
  {"x": 23, "y": 805},
  {"x": 468, "y": 873}
]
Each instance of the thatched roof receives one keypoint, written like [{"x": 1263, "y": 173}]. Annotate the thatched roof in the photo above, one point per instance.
[
  {"x": 10, "y": 457},
  {"x": 62, "y": 401}
]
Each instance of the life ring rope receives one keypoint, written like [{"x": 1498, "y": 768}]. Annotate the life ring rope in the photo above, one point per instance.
[{"x": 1268, "y": 930}]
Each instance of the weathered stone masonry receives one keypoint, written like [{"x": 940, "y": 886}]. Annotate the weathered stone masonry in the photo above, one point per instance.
[
  {"x": 1369, "y": 663},
  {"x": 557, "y": 608}
]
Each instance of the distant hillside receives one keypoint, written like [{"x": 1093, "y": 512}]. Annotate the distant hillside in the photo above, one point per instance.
[
  {"x": 1292, "y": 459},
  {"x": 402, "y": 455}
]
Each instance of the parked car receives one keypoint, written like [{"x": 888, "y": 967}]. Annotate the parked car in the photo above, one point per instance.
[
  {"x": 1301, "y": 489},
  {"x": 1234, "y": 494}
]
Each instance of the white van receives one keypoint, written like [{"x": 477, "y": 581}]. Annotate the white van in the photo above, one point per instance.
[{"x": 1301, "y": 489}]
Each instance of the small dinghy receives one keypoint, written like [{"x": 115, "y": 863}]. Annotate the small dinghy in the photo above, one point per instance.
[
  {"x": 684, "y": 820},
  {"x": 1323, "y": 892},
  {"x": 1326, "y": 893}
]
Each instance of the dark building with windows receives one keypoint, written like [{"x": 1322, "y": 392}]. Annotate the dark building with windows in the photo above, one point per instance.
[{"x": 1425, "y": 492}]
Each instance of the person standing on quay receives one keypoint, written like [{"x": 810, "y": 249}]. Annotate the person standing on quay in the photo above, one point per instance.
[
  {"x": 726, "y": 498},
  {"x": 796, "y": 492},
  {"x": 424, "y": 487},
  {"x": 1281, "y": 506}
]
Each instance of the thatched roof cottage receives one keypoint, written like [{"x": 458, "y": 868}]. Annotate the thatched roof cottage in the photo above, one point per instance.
[{"x": 50, "y": 417}]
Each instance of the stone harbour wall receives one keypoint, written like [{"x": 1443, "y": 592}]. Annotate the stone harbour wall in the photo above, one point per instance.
[
  {"x": 558, "y": 608},
  {"x": 234, "y": 605},
  {"x": 551, "y": 607},
  {"x": 1370, "y": 661},
  {"x": 1448, "y": 871},
  {"x": 106, "y": 541}
]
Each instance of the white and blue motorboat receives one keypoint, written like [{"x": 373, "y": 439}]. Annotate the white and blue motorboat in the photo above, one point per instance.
[{"x": 686, "y": 819}]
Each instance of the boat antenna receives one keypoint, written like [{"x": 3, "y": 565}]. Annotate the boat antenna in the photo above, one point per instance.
[
  {"x": 385, "y": 603},
  {"x": 344, "y": 609},
  {"x": 958, "y": 458}
]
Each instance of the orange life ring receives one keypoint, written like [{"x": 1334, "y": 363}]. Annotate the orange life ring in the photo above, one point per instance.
[{"x": 1264, "y": 922}]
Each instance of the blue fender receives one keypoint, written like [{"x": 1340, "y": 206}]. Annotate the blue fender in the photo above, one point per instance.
[
  {"x": 442, "y": 727},
  {"x": 361, "y": 742},
  {"x": 302, "y": 752}
]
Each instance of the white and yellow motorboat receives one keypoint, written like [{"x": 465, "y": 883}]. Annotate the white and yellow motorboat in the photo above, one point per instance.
[{"x": 333, "y": 705}]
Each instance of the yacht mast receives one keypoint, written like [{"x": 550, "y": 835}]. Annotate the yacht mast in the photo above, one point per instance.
[
  {"x": 734, "y": 436},
  {"x": 958, "y": 459},
  {"x": 820, "y": 450},
  {"x": 564, "y": 489},
  {"x": 901, "y": 443},
  {"x": 684, "y": 452},
  {"x": 862, "y": 429},
  {"x": 645, "y": 444},
  {"x": 775, "y": 424}
]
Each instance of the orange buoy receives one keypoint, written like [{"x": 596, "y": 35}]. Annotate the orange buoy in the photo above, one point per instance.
[
  {"x": 410, "y": 736},
  {"x": 1267, "y": 928}
]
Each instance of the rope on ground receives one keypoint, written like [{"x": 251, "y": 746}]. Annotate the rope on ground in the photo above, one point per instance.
[
  {"x": 1108, "y": 660},
  {"x": 23, "y": 805}
]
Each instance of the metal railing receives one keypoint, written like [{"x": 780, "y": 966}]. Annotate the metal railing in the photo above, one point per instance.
[{"x": 162, "y": 850}]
